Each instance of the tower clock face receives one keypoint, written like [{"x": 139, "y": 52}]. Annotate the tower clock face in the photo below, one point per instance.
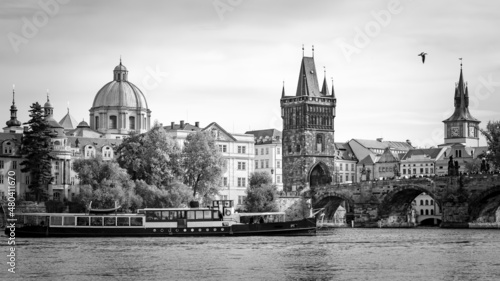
[
  {"x": 471, "y": 132},
  {"x": 454, "y": 132}
]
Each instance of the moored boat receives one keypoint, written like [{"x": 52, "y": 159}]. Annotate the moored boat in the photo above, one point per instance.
[{"x": 216, "y": 220}]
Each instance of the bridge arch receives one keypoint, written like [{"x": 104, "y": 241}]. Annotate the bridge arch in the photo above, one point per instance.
[
  {"x": 484, "y": 206},
  {"x": 331, "y": 201},
  {"x": 397, "y": 202}
]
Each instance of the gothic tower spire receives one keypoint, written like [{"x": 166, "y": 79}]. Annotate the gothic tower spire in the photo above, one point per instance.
[{"x": 13, "y": 122}]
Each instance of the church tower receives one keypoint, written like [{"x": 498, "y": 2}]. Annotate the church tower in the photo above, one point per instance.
[
  {"x": 461, "y": 127},
  {"x": 13, "y": 125},
  {"x": 308, "y": 131}
]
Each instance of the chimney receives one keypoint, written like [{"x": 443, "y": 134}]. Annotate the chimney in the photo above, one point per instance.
[
  {"x": 197, "y": 124},
  {"x": 171, "y": 125},
  {"x": 182, "y": 124},
  {"x": 380, "y": 139},
  {"x": 408, "y": 142}
]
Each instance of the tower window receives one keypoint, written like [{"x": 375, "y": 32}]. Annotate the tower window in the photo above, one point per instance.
[
  {"x": 112, "y": 122},
  {"x": 97, "y": 122},
  {"x": 320, "y": 143}
]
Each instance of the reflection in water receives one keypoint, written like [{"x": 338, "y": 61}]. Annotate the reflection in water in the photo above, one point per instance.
[{"x": 340, "y": 254}]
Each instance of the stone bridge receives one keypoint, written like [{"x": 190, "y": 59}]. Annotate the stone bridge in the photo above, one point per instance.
[{"x": 465, "y": 202}]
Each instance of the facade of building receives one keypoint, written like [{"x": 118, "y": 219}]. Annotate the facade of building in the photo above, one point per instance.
[
  {"x": 421, "y": 162},
  {"x": 379, "y": 159},
  {"x": 426, "y": 210},
  {"x": 237, "y": 150},
  {"x": 345, "y": 164},
  {"x": 308, "y": 131},
  {"x": 268, "y": 154}
]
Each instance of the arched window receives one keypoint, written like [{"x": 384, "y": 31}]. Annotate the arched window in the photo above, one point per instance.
[
  {"x": 421, "y": 202},
  {"x": 57, "y": 196},
  {"x": 421, "y": 212},
  {"x": 426, "y": 211},
  {"x": 432, "y": 202},
  {"x": 432, "y": 212},
  {"x": 320, "y": 143},
  {"x": 426, "y": 202},
  {"x": 131, "y": 122},
  {"x": 297, "y": 148},
  {"x": 97, "y": 122},
  {"x": 112, "y": 122}
]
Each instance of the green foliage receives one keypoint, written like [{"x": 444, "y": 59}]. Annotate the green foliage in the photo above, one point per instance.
[
  {"x": 260, "y": 178},
  {"x": 203, "y": 165},
  {"x": 492, "y": 134},
  {"x": 36, "y": 148},
  {"x": 261, "y": 199},
  {"x": 153, "y": 157},
  {"x": 103, "y": 183},
  {"x": 473, "y": 166},
  {"x": 52, "y": 206},
  {"x": 175, "y": 195}
]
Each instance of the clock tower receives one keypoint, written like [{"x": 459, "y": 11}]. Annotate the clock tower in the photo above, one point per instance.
[
  {"x": 461, "y": 127},
  {"x": 308, "y": 131}
]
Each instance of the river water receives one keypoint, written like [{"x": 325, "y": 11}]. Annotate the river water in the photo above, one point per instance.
[{"x": 338, "y": 254}]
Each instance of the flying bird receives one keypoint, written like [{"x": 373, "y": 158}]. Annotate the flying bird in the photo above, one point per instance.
[{"x": 423, "y": 54}]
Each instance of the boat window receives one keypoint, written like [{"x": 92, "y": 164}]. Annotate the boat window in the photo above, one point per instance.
[
  {"x": 69, "y": 220},
  {"x": 82, "y": 221},
  {"x": 109, "y": 221},
  {"x": 136, "y": 221},
  {"x": 199, "y": 215},
  {"x": 181, "y": 215},
  {"x": 56, "y": 220},
  {"x": 216, "y": 214},
  {"x": 152, "y": 216},
  {"x": 96, "y": 221},
  {"x": 207, "y": 215},
  {"x": 190, "y": 215},
  {"x": 123, "y": 221},
  {"x": 158, "y": 216},
  {"x": 173, "y": 215}
]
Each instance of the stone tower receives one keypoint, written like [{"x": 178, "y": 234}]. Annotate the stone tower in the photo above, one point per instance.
[
  {"x": 308, "y": 131},
  {"x": 461, "y": 127}
]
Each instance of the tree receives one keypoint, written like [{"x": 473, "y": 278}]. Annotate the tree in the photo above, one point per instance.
[
  {"x": 261, "y": 198},
  {"x": 260, "y": 178},
  {"x": 105, "y": 183},
  {"x": 153, "y": 157},
  {"x": 36, "y": 148},
  {"x": 176, "y": 195},
  {"x": 492, "y": 134},
  {"x": 473, "y": 166},
  {"x": 202, "y": 164}
]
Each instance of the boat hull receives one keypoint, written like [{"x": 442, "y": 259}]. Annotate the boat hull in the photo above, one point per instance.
[{"x": 294, "y": 228}]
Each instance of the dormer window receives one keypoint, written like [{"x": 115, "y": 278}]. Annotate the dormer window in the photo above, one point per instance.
[{"x": 8, "y": 147}]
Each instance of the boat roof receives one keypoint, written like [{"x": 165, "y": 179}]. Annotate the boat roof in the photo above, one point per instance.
[
  {"x": 177, "y": 209},
  {"x": 76, "y": 214},
  {"x": 260, "y": 214}
]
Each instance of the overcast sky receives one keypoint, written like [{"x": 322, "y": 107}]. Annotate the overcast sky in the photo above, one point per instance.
[{"x": 226, "y": 60}]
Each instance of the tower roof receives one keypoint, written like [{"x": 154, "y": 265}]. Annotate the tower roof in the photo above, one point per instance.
[
  {"x": 13, "y": 122},
  {"x": 68, "y": 122},
  {"x": 308, "y": 80},
  {"x": 461, "y": 112}
]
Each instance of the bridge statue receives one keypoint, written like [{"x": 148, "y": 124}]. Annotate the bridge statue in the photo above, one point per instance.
[{"x": 451, "y": 170}]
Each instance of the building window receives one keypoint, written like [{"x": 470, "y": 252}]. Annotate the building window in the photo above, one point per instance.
[
  {"x": 278, "y": 150},
  {"x": 298, "y": 148},
  {"x": 27, "y": 179},
  {"x": 421, "y": 202},
  {"x": 241, "y": 182},
  {"x": 341, "y": 166},
  {"x": 241, "y": 199},
  {"x": 242, "y": 166},
  {"x": 1, "y": 179},
  {"x": 256, "y": 151},
  {"x": 421, "y": 170},
  {"x": 242, "y": 149},
  {"x": 56, "y": 178},
  {"x": 131, "y": 123},
  {"x": 96, "y": 122},
  {"x": 112, "y": 122},
  {"x": 426, "y": 211},
  {"x": 1, "y": 164},
  {"x": 223, "y": 148},
  {"x": 72, "y": 181},
  {"x": 404, "y": 171},
  {"x": 267, "y": 150},
  {"x": 224, "y": 181},
  {"x": 320, "y": 143},
  {"x": 57, "y": 165},
  {"x": 278, "y": 179},
  {"x": 267, "y": 163},
  {"x": 14, "y": 165},
  {"x": 432, "y": 212},
  {"x": 278, "y": 164},
  {"x": 341, "y": 178},
  {"x": 289, "y": 149},
  {"x": 262, "y": 151},
  {"x": 414, "y": 171},
  {"x": 346, "y": 177},
  {"x": 422, "y": 212},
  {"x": 256, "y": 164},
  {"x": 426, "y": 202}
]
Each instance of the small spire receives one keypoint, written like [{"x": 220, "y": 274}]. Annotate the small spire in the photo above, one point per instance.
[
  {"x": 47, "y": 95},
  {"x": 283, "y": 90},
  {"x": 68, "y": 107},
  {"x": 313, "y": 51},
  {"x": 13, "y": 93},
  {"x": 460, "y": 63},
  {"x": 120, "y": 59},
  {"x": 302, "y": 50},
  {"x": 333, "y": 91}
]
